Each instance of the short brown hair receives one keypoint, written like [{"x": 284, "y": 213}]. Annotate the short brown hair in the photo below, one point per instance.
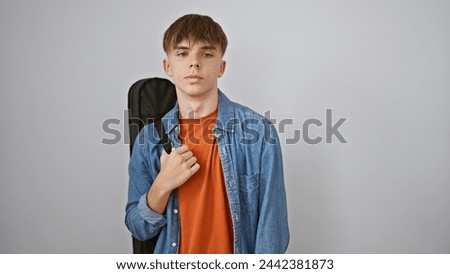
[{"x": 196, "y": 27}]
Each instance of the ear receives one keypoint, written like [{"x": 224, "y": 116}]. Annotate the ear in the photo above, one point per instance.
[
  {"x": 167, "y": 67},
  {"x": 223, "y": 65}
]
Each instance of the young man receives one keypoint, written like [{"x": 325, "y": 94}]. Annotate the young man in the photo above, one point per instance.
[{"x": 221, "y": 189}]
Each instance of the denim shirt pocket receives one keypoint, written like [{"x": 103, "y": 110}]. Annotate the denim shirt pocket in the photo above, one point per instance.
[{"x": 249, "y": 192}]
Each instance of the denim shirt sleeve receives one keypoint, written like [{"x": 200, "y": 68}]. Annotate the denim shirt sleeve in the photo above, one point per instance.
[
  {"x": 142, "y": 222},
  {"x": 272, "y": 231}
]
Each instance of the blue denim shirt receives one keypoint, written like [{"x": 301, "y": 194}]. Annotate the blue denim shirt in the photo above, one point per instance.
[{"x": 251, "y": 159}]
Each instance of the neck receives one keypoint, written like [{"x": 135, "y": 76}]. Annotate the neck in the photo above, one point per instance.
[{"x": 197, "y": 107}]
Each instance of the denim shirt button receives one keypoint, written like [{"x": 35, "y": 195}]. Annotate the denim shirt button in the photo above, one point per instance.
[
  {"x": 174, "y": 244},
  {"x": 175, "y": 211}
]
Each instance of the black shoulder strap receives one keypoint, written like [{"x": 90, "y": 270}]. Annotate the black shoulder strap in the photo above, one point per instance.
[{"x": 163, "y": 135}]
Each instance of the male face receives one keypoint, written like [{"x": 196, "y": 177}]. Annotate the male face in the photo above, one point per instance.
[{"x": 195, "y": 68}]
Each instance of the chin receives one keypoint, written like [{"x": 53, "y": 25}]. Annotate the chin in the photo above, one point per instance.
[{"x": 194, "y": 90}]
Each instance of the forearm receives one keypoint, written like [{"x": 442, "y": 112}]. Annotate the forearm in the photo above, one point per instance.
[
  {"x": 148, "y": 195},
  {"x": 141, "y": 219},
  {"x": 158, "y": 196},
  {"x": 145, "y": 216}
]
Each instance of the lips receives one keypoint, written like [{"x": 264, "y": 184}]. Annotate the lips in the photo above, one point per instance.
[{"x": 193, "y": 77}]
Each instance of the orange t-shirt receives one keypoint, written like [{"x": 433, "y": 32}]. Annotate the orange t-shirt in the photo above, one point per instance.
[{"x": 206, "y": 225}]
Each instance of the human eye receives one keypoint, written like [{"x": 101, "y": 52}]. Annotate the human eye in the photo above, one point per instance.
[
  {"x": 208, "y": 54},
  {"x": 182, "y": 54}
]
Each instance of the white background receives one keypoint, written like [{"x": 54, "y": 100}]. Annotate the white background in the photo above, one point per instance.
[{"x": 66, "y": 67}]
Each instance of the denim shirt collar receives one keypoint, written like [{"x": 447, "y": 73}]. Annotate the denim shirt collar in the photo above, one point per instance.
[{"x": 225, "y": 116}]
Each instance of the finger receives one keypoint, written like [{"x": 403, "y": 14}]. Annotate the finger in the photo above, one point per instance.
[
  {"x": 187, "y": 155},
  {"x": 164, "y": 154},
  {"x": 180, "y": 150},
  {"x": 195, "y": 168},
  {"x": 191, "y": 161}
]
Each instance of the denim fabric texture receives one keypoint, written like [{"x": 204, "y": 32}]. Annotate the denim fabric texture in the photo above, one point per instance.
[{"x": 252, "y": 164}]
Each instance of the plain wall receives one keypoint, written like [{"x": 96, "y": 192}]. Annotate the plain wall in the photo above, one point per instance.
[{"x": 66, "y": 67}]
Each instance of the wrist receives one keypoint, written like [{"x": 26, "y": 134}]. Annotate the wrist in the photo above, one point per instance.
[{"x": 160, "y": 186}]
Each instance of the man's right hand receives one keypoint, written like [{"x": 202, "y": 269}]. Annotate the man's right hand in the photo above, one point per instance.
[{"x": 176, "y": 168}]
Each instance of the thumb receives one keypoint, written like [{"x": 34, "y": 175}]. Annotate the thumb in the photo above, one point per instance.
[{"x": 164, "y": 154}]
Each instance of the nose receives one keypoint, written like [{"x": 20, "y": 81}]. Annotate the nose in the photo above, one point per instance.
[{"x": 194, "y": 64}]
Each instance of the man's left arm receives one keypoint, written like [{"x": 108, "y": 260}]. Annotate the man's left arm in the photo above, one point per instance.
[{"x": 273, "y": 231}]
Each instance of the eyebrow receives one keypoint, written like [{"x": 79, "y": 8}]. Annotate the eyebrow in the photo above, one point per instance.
[
  {"x": 211, "y": 47},
  {"x": 206, "y": 47}
]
